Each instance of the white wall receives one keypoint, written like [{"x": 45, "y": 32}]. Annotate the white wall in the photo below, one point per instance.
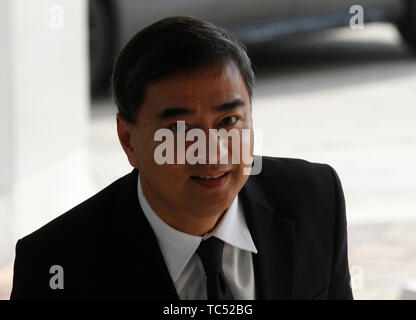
[
  {"x": 5, "y": 132},
  {"x": 44, "y": 103}
]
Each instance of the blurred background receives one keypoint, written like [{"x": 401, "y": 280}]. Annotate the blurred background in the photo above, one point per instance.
[{"x": 336, "y": 84}]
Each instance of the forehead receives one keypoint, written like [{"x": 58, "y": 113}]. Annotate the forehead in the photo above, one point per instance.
[{"x": 203, "y": 88}]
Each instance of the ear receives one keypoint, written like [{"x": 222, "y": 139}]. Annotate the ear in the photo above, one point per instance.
[{"x": 126, "y": 137}]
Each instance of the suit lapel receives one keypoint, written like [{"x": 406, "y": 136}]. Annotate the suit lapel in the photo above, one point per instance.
[
  {"x": 149, "y": 277},
  {"x": 274, "y": 237}
]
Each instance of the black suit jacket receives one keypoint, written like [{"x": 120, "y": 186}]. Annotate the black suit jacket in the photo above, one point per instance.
[{"x": 294, "y": 209}]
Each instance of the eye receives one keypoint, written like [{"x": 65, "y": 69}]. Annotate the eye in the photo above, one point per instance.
[{"x": 230, "y": 120}]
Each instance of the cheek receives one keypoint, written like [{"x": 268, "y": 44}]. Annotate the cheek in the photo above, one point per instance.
[
  {"x": 251, "y": 142},
  {"x": 247, "y": 144},
  {"x": 173, "y": 172},
  {"x": 170, "y": 177},
  {"x": 247, "y": 134},
  {"x": 145, "y": 146},
  {"x": 146, "y": 159},
  {"x": 144, "y": 152},
  {"x": 239, "y": 179}
]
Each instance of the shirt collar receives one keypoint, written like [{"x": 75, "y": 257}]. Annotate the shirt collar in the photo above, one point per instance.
[{"x": 178, "y": 247}]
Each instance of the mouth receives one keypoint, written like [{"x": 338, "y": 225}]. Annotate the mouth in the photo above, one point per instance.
[{"x": 212, "y": 181}]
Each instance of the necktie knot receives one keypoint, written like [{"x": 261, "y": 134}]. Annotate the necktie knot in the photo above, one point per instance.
[{"x": 210, "y": 253}]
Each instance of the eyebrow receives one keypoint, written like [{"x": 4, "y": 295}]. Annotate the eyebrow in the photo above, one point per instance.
[{"x": 179, "y": 111}]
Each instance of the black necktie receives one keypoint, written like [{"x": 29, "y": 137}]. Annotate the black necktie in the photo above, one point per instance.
[{"x": 210, "y": 252}]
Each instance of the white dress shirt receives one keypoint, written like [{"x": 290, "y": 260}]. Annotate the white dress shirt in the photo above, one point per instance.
[{"x": 184, "y": 265}]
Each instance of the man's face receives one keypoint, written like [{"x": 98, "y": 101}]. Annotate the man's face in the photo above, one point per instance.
[{"x": 191, "y": 97}]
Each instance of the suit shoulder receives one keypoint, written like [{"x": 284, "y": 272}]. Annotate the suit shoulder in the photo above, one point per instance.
[
  {"x": 291, "y": 170},
  {"x": 307, "y": 191},
  {"x": 77, "y": 222}
]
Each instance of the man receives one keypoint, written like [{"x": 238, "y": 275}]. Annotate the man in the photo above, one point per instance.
[{"x": 192, "y": 231}]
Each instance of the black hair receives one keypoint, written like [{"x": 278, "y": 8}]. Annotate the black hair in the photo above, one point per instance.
[{"x": 169, "y": 46}]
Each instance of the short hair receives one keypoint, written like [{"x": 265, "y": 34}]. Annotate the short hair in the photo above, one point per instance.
[{"x": 167, "y": 47}]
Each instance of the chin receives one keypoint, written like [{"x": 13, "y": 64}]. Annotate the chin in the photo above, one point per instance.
[{"x": 214, "y": 203}]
